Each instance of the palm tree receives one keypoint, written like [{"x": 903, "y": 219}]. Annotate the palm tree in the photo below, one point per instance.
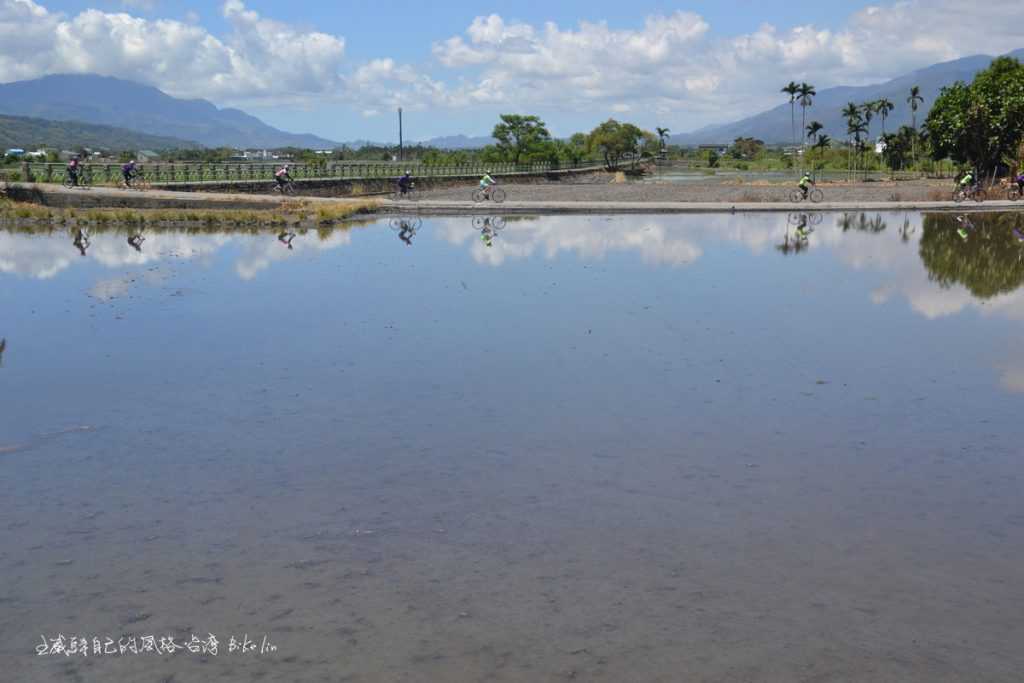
[
  {"x": 813, "y": 128},
  {"x": 824, "y": 142},
  {"x": 806, "y": 93},
  {"x": 884, "y": 107},
  {"x": 914, "y": 101},
  {"x": 852, "y": 115},
  {"x": 868, "y": 112},
  {"x": 662, "y": 134},
  {"x": 792, "y": 89}
]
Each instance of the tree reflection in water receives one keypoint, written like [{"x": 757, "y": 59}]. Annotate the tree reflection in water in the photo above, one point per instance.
[
  {"x": 861, "y": 223},
  {"x": 990, "y": 263}
]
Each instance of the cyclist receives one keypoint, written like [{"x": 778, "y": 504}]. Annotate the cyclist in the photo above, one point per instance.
[
  {"x": 282, "y": 176},
  {"x": 1020, "y": 183},
  {"x": 805, "y": 183},
  {"x": 73, "y": 170},
  {"x": 405, "y": 183},
  {"x": 128, "y": 171},
  {"x": 966, "y": 182},
  {"x": 486, "y": 183}
]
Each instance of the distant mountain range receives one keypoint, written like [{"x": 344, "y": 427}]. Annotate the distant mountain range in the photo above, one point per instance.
[
  {"x": 773, "y": 126},
  {"x": 114, "y": 102},
  {"x": 104, "y": 101},
  {"x": 31, "y": 134}
]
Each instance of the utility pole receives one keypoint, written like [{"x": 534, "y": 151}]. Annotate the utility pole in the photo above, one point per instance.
[{"x": 401, "y": 154}]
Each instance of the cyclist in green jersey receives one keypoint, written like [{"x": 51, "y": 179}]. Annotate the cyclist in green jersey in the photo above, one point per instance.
[
  {"x": 805, "y": 183},
  {"x": 486, "y": 183}
]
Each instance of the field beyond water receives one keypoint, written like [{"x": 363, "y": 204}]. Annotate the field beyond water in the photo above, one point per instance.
[{"x": 729, "y": 448}]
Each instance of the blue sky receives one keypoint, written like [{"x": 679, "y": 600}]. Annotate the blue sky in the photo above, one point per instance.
[{"x": 340, "y": 69}]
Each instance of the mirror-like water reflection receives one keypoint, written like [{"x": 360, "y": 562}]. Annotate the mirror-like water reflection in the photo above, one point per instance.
[{"x": 518, "y": 449}]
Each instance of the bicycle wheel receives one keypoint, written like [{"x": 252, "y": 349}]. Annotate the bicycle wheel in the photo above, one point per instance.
[
  {"x": 815, "y": 218},
  {"x": 816, "y": 195},
  {"x": 142, "y": 184},
  {"x": 796, "y": 196},
  {"x": 498, "y": 195},
  {"x": 1013, "y": 194},
  {"x": 479, "y": 222},
  {"x": 958, "y": 196},
  {"x": 979, "y": 195},
  {"x": 479, "y": 196},
  {"x": 498, "y": 223},
  {"x": 68, "y": 182}
]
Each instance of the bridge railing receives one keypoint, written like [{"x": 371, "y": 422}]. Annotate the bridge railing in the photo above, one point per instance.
[{"x": 159, "y": 172}]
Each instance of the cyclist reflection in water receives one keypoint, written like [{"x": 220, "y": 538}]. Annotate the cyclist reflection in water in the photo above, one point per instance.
[
  {"x": 286, "y": 238},
  {"x": 3, "y": 347},
  {"x": 965, "y": 226},
  {"x": 81, "y": 240},
  {"x": 406, "y": 233},
  {"x": 488, "y": 227},
  {"x": 135, "y": 241},
  {"x": 802, "y": 231}
]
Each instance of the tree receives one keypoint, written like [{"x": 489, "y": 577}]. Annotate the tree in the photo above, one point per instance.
[
  {"x": 884, "y": 107},
  {"x": 792, "y": 89},
  {"x": 746, "y": 148},
  {"x": 867, "y": 111},
  {"x": 806, "y": 93},
  {"x": 914, "y": 101},
  {"x": 813, "y": 128},
  {"x": 571, "y": 151},
  {"x": 662, "y": 135},
  {"x": 854, "y": 125},
  {"x": 615, "y": 141},
  {"x": 982, "y": 123},
  {"x": 520, "y": 137},
  {"x": 898, "y": 147}
]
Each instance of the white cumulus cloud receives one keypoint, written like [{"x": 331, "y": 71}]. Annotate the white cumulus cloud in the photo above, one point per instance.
[{"x": 258, "y": 59}]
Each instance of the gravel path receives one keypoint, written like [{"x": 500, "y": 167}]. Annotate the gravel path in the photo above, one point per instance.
[{"x": 710, "y": 191}]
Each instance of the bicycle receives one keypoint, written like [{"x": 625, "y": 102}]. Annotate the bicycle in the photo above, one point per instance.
[
  {"x": 81, "y": 181},
  {"x": 140, "y": 182},
  {"x": 1014, "y": 193},
  {"x": 287, "y": 187},
  {"x": 974, "y": 192},
  {"x": 814, "y": 196},
  {"x": 495, "y": 194},
  {"x": 408, "y": 195}
]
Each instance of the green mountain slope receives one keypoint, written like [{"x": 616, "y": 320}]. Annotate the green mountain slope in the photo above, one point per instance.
[{"x": 30, "y": 134}]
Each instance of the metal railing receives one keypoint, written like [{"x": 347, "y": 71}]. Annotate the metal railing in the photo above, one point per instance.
[{"x": 170, "y": 173}]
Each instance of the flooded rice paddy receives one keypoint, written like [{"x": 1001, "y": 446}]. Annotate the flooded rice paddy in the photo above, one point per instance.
[{"x": 630, "y": 449}]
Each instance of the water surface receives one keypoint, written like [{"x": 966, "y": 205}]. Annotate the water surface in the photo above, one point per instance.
[{"x": 696, "y": 448}]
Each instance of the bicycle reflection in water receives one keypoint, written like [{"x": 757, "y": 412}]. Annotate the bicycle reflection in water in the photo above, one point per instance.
[
  {"x": 135, "y": 241},
  {"x": 406, "y": 227},
  {"x": 285, "y": 238},
  {"x": 803, "y": 225},
  {"x": 489, "y": 227}
]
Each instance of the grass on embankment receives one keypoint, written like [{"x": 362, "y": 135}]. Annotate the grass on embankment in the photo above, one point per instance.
[{"x": 290, "y": 213}]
